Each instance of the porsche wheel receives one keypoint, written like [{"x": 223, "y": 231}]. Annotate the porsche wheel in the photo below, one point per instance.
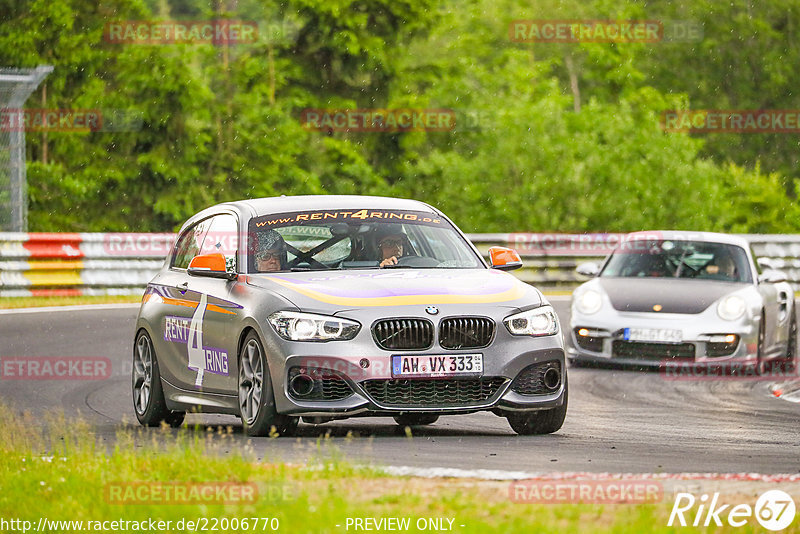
[
  {"x": 790, "y": 360},
  {"x": 256, "y": 398},
  {"x": 148, "y": 395},
  {"x": 762, "y": 366}
]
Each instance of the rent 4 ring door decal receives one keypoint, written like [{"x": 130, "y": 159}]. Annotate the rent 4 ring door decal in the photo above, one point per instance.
[{"x": 190, "y": 332}]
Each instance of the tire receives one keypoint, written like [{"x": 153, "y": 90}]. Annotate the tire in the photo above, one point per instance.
[
  {"x": 575, "y": 362},
  {"x": 540, "y": 421},
  {"x": 256, "y": 397},
  {"x": 790, "y": 360},
  {"x": 416, "y": 419},
  {"x": 762, "y": 366},
  {"x": 148, "y": 395}
]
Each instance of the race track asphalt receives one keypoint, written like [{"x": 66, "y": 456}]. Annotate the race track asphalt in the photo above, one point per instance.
[{"x": 618, "y": 420}]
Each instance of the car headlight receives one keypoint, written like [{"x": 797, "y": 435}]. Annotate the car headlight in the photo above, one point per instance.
[
  {"x": 297, "y": 326},
  {"x": 536, "y": 322},
  {"x": 588, "y": 301},
  {"x": 731, "y": 307}
]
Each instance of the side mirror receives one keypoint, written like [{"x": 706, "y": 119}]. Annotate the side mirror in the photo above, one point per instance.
[
  {"x": 771, "y": 276},
  {"x": 211, "y": 266},
  {"x": 590, "y": 268},
  {"x": 504, "y": 259}
]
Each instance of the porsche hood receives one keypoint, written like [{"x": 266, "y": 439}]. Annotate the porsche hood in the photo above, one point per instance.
[{"x": 673, "y": 295}]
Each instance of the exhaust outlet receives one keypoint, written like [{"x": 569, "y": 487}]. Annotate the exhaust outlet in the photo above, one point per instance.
[
  {"x": 552, "y": 378},
  {"x": 301, "y": 385}
]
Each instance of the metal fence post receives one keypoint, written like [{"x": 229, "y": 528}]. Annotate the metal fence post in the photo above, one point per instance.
[{"x": 15, "y": 87}]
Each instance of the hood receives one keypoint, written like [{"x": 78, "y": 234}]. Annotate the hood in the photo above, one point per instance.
[
  {"x": 338, "y": 290},
  {"x": 675, "y": 295}
]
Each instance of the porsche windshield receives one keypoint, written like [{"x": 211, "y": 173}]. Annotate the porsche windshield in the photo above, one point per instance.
[
  {"x": 357, "y": 239},
  {"x": 679, "y": 259}
]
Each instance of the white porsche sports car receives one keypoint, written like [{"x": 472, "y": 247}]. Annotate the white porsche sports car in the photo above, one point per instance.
[{"x": 675, "y": 296}]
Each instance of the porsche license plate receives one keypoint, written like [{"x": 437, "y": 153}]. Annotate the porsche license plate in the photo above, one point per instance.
[
  {"x": 433, "y": 366},
  {"x": 658, "y": 335}
]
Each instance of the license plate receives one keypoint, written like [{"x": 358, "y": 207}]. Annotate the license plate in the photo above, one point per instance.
[
  {"x": 664, "y": 335},
  {"x": 432, "y": 366}
]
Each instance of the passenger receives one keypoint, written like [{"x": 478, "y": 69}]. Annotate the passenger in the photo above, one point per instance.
[
  {"x": 722, "y": 267},
  {"x": 270, "y": 252}
]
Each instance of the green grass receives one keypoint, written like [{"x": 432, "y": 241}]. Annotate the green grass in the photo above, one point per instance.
[
  {"x": 36, "y": 302},
  {"x": 62, "y": 474}
]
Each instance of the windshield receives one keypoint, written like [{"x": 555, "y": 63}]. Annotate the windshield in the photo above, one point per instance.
[
  {"x": 679, "y": 259},
  {"x": 356, "y": 239}
]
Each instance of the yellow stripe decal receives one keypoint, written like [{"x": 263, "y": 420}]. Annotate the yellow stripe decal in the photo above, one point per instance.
[{"x": 403, "y": 300}]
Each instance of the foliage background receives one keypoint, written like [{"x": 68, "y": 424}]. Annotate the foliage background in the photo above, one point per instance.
[{"x": 551, "y": 137}]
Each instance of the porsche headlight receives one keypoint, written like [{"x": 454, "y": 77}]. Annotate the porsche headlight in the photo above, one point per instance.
[
  {"x": 536, "y": 322},
  {"x": 588, "y": 301},
  {"x": 297, "y": 326},
  {"x": 731, "y": 307}
]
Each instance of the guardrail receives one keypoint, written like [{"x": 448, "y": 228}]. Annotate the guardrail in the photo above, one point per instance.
[
  {"x": 47, "y": 264},
  {"x": 61, "y": 264},
  {"x": 549, "y": 260}
]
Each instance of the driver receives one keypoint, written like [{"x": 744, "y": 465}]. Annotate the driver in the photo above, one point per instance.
[
  {"x": 390, "y": 242},
  {"x": 270, "y": 252}
]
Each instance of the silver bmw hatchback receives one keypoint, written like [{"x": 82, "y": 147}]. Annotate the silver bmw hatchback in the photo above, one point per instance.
[{"x": 329, "y": 307}]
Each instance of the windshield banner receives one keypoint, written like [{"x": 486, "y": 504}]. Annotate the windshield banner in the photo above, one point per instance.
[{"x": 348, "y": 216}]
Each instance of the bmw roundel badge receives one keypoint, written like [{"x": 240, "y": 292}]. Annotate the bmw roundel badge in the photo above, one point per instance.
[{"x": 431, "y": 310}]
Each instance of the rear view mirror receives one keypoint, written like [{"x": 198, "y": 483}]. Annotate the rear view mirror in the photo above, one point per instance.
[
  {"x": 504, "y": 259},
  {"x": 211, "y": 266},
  {"x": 590, "y": 268}
]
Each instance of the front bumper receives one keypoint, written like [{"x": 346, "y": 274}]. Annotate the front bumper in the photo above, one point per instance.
[
  {"x": 371, "y": 390},
  {"x": 701, "y": 340}
]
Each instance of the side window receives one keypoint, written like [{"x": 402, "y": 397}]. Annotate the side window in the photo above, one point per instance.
[
  {"x": 189, "y": 244},
  {"x": 223, "y": 236}
]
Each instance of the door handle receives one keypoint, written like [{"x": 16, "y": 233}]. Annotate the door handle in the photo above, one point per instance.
[{"x": 183, "y": 288}]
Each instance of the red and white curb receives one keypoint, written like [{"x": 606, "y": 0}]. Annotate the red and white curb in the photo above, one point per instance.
[
  {"x": 788, "y": 390},
  {"x": 494, "y": 474}
]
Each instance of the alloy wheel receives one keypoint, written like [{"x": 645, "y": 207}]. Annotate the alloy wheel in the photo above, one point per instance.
[{"x": 251, "y": 381}]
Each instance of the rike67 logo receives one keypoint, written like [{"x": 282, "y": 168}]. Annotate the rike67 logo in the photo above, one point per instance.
[{"x": 774, "y": 510}]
